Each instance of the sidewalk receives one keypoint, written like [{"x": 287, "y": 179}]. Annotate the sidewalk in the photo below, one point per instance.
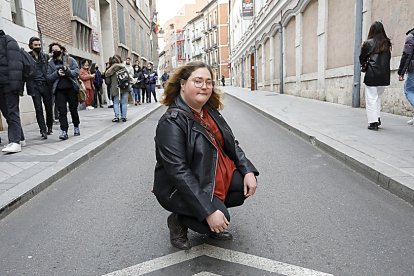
[
  {"x": 385, "y": 156},
  {"x": 41, "y": 162}
]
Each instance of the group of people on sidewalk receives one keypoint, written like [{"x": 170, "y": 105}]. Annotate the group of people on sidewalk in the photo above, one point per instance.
[
  {"x": 51, "y": 83},
  {"x": 123, "y": 79},
  {"x": 375, "y": 60},
  {"x": 55, "y": 83}
]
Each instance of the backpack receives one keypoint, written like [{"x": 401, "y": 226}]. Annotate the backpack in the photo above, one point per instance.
[
  {"x": 122, "y": 76},
  {"x": 29, "y": 66}
]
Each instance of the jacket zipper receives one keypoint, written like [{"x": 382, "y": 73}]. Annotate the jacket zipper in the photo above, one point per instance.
[
  {"x": 175, "y": 190},
  {"x": 215, "y": 167}
]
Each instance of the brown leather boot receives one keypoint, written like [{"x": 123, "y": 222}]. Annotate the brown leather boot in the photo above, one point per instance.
[{"x": 178, "y": 233}]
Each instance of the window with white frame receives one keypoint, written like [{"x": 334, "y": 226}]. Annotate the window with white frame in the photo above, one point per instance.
[
  {"x": 16, "y": 12},
  {"x": 133, "y": 34},
  {"x": 80, "y": 9}
]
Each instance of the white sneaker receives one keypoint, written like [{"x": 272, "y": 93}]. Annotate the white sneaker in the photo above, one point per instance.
[
  {"x": 90, "y": 108},
  {"x": 411, "y": 121},
  {"x": 12, "y": 148},
  {"x": 23, "y": 143}
]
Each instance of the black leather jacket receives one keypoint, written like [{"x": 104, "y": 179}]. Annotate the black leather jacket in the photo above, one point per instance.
[
  {"x": 378, "y": 70},
  {"x": 187, "y": 159},
  {"x": 407, "y": 60}
]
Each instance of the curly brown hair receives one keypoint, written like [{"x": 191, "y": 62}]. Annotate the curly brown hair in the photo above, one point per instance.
[{"x": 173, "y": 86}]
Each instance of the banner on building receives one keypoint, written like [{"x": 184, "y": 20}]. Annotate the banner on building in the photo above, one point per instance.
[{"x": 247, "y": 9}]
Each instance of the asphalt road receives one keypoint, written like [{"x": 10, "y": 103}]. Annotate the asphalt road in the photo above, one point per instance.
[{"x": 310, "y": 211}]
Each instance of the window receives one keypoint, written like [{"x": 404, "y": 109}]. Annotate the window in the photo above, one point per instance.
[
  {"x": 83, "y": 37},
  {"x": 142, "y": 40},
  {"x": 133, "y": 34},
  {"x": 16, "y": 12},
  {"x": 79, "y": 9},
  {"x": 121, "y": 24}
]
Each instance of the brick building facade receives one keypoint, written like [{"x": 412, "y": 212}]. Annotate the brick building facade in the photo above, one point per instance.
[{"x": 89, "y": 29}]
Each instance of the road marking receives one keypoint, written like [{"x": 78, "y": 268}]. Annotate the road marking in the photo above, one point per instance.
[
  {"x": 221, "y": 254},
  {"x": 203, "y": 273}
]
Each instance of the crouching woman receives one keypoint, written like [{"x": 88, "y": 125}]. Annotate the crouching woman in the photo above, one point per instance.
[{"x": 201, "y": 169}]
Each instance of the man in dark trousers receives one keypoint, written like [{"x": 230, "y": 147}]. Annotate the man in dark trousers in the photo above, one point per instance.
[
  {"x": 11, "y": 84},
  {"x": 97, "y": 82},
  {"x": 39, "y": 88}
]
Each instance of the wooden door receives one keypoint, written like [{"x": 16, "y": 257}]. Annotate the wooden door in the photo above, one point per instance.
[{"x": 252, "y": 73}]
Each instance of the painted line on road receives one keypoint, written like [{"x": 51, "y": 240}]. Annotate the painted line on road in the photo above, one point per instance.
[{"x": 221, "y": 254}]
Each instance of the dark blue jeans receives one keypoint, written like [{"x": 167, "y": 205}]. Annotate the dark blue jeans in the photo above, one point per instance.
[{"x": 151, "y": 89}]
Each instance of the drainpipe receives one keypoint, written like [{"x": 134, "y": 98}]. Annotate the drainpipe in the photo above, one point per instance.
[
  {"x": 243, "y": 70},
  {"x": 281, "y": 57},
  {"x": 358, "y": 41},
  {"x": 255, "y": 66}
]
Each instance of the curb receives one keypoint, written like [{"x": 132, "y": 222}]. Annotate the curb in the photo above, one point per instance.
[
  {"x": 26, "y": 190},
  {"x": 369, "y": 167}
]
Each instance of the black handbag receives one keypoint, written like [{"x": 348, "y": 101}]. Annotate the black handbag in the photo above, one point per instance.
[{"x": 364, "y": 65}]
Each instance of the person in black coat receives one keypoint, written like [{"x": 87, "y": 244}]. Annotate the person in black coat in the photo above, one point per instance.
[
  {"x": 201, "y": 170},
  {"x": 407, "y": 67},
  {"x": 39, "y": 88},
  {"x": 11, "y": 85},
  {"x": 375, "y": 57}
]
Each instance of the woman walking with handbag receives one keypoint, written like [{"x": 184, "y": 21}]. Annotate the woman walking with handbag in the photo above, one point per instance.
[{"x": 375, "y": 57}]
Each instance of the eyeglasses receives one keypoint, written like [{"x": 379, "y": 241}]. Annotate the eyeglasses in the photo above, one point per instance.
[{"x": 199, "y": 83}]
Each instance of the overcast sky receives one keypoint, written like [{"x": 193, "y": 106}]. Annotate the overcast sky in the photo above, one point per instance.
[{"x": 169, "y": 8}]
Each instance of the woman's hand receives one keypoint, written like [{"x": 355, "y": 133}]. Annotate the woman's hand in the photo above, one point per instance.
[
  {"x": 250, "y": 184},
  {"x": 217, "y": 221}
]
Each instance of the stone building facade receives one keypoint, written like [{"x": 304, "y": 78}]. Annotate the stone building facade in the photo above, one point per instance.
[{"x": 306, "y": 47}]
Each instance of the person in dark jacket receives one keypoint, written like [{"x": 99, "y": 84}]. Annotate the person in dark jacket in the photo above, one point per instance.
[
  {"x": 164, "y": 78},
  {"x": 136, "y": 87},
  {"x": 201, "y": 169},
  {"x": 62, "y": 74},
  {"x": 97, "y": 83},
  {"x": 39, "y": 88},
  {"x": 142, "y": 86},
  {"x": 407, "y": 67},
  {"x": 150, "y": 81},
  {"x": 376, "y": 54},
  {"x": 11, "y": 85}
]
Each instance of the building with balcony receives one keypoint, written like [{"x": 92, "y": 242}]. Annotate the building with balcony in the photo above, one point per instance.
[{"x": 174, "y": 29}]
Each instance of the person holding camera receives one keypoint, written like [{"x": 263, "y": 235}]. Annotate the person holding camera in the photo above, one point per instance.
[{"x": 62, "y": 73}]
